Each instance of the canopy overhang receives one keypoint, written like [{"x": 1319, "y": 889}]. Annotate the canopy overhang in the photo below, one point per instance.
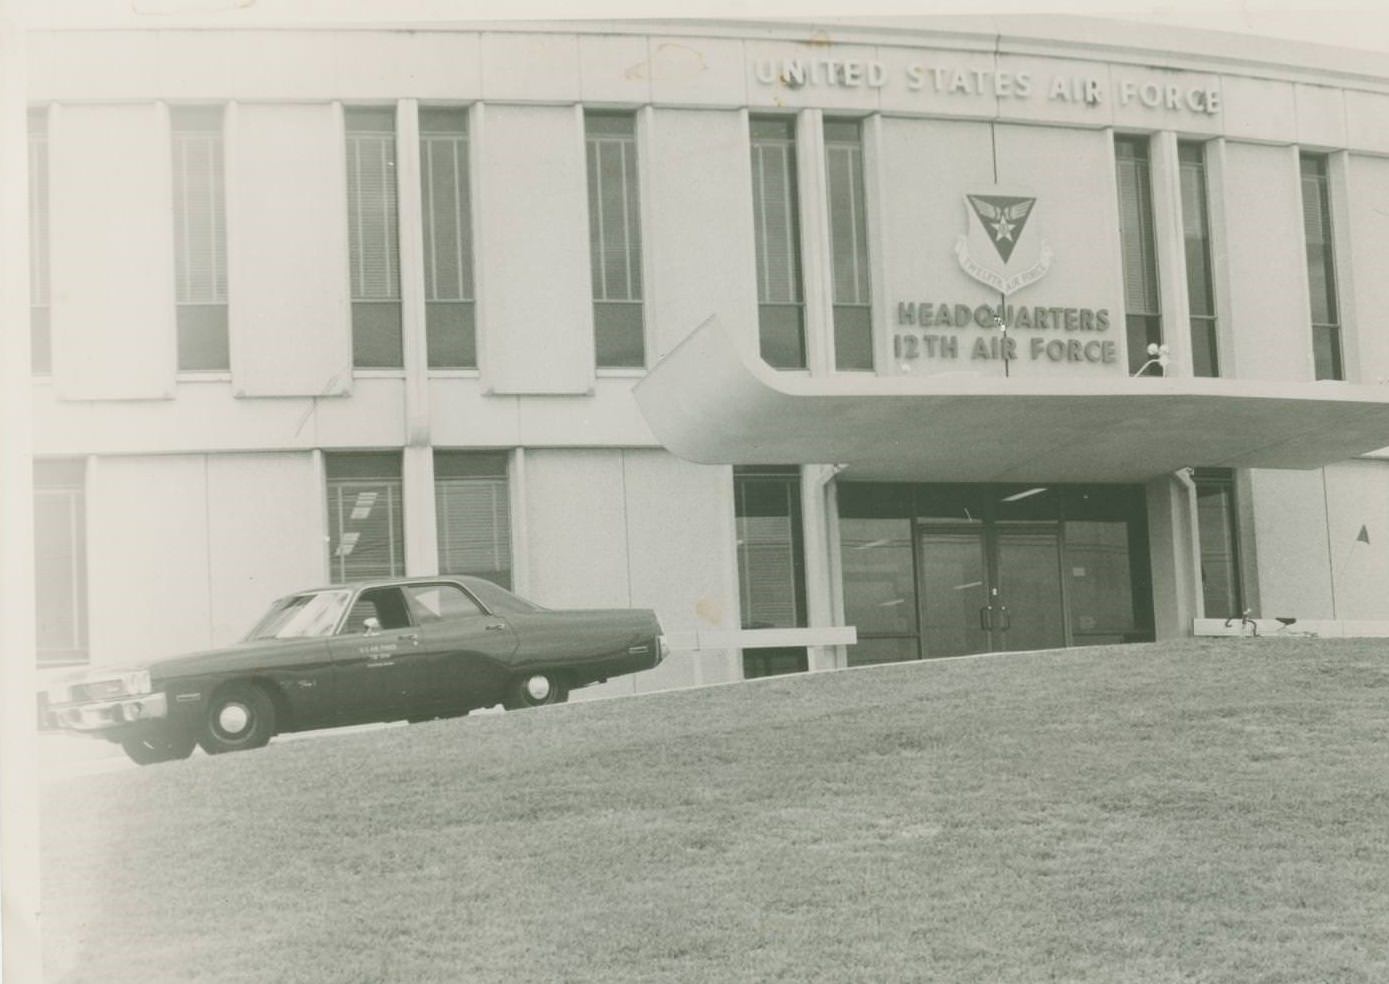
[{"x": 710, "y": 403}]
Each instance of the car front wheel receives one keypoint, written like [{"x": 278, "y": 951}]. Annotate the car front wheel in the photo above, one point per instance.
[
  {"x": 241, "y": 716},
  {"x": 153, "y": 749},
  {"x": 536, "y": 690}
]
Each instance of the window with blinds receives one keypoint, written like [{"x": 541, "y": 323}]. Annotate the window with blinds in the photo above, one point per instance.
[
  {"x": 1196, "y": 233},
  {"x": 853, "y": 331},
  {"x": 771, "y": 564},
  {"x": 60, "y": 562},
  {"x": 200, "y": 238},
  {"x": 614, "y": 233},
  {"x": 366, "y": 528},
  {"x": 473, "y": 508},
  {"x": 450, "y": 312},
  {"x": 1321, "y": 268},
  {"x": 1217, "y": 521},
  {"x": 776, "y": 226},
  {"x": 374, "y": 254},
  {"x": 40, "y": 340},
  {"x": 1143, "y": 315}
]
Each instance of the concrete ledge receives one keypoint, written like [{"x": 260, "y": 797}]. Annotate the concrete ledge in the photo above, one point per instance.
[
  {"x": 1272, "y": 628},
  {"x": 724, "y": 639}
]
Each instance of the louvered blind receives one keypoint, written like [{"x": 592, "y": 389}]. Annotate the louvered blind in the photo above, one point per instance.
[
  {"x": 848, "y": 230},
  {"x": 1136, "y": 227},
  {"x": 770, "y": 575},
  {"x": 613, "y": 218},
  {"x": 366, "y": 530},
  {"x": 474, "y": 519},
  {"x": 60, "y": 581},
  {"x": 775, "y": 212},
  {"x": 1316, "y": 224},
  {"x": 200, "y": 222},
  {"x": 371, "y": 205},
  {"x": 38, "y": 209},
  {"x": 448, "y": 245}
]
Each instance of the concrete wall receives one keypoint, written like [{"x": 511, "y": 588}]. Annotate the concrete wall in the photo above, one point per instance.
[
  {"x": 618, "y": 529},
  {"x": 1294, "y": 552},
  {"x": 1358, "y": 509},
  {"x": 185, "y": 551}
]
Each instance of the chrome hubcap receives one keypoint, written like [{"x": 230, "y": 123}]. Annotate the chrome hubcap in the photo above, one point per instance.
[
  {"x": 233, "y": 718},
  {"x": 538, "y": 687}
]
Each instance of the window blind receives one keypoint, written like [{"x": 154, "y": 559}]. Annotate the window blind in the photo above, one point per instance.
[
  {"x": 1136, "y": 227},
  {"x": 770, "y": 564},
  {"x": 614, "y": 223},
  {"x": 473, "y": 514},
  {"x": 448, "y": 247},
  {"x": 371, "y": 198},
  {"x": 1200, "y": 286},
  {"x": 60, "y": 563},
  {"x": 366, "y": 530},
  {"x": 775, "y": 212},
  {"x": 200, "y": 222},
  {"x": 40, "y": 339}
]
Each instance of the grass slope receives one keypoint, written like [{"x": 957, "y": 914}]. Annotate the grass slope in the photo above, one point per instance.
[{"x": 1196, "y": 811}]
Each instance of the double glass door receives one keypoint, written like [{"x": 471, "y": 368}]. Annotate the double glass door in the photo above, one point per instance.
[{"x": 987, "y": 587}]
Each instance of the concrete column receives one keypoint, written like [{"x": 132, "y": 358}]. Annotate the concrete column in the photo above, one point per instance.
[
  {"x": 410, "y": 225},
  {"x": 19, "y": 840},
  {"x": 815, "y": 241},
  {"x": 421, "y": 526},
  {"x": 815, "y": 541},
  {"x": 1176, "y": 578},
  {"x": 1165, "y": 173},
  {"x": 873, "y": 195}
]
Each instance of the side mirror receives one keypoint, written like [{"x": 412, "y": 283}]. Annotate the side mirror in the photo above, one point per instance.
[{"x": 371, "y": 625}]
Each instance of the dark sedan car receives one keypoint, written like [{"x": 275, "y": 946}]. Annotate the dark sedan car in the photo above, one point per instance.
[{"x": 401, "y": 649}]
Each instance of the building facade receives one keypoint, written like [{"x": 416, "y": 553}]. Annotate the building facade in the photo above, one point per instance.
[{"x": 834, "y": 346}]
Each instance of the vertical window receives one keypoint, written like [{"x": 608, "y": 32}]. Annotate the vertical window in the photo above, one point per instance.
[
  {"x": 366, "y": 530},
  {"x": 771, "y": 565},
  {"x": 1217, "y": 522},
  {"x": 40, "y": 342},
  {"x": 853, "y": 332},
  {"x": 372, "y": 238},
  {"x": 473, "y": 507},
  {"x": 776, "y": 220},
  {"x": 200, "y": 238},
  {"x": 60, "y": 562},
  {"x": 1321, "y": 268},
  {"x": 1200, "y": 285},
  {"x": 1141, "y": 307},
  {"x": 614, "y": 235},
  {"x": 450, "y": 321}
]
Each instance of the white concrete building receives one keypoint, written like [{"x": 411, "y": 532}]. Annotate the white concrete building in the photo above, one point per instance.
[{"x": 767, "y": 327}]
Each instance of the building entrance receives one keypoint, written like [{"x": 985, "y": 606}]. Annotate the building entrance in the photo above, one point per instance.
[{"x": 947, "y": 570}]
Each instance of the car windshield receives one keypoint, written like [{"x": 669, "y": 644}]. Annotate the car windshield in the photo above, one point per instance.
[{"x": 315, "y": 613}]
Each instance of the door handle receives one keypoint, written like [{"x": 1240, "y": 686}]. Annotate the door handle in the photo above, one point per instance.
[
  {"x": 495, "y": 626},
  {"x": 413, "y": 637},
  {"x": 1004, "y": 618},
  {"x": 986, "y": 618}
]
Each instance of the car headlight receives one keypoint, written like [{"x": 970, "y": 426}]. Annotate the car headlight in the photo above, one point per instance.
[{"x": 135, "y": 682}]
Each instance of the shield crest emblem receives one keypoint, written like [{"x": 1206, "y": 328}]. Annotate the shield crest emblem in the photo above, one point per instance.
[{"x": 1002, "y": 246}]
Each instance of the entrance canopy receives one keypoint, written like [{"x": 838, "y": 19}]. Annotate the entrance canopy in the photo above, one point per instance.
[{"x": 708, "y": 402}]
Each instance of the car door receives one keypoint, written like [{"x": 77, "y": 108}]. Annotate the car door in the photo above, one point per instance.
[
  {"x": 467, "y": 650},
  {"x": 377, "y": 659}
]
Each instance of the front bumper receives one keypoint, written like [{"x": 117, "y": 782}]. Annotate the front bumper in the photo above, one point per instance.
[{"x": 103, "y": 715}]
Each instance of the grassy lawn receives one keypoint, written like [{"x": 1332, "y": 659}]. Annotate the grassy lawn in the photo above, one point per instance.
[{"x": 1195, "y": 811}]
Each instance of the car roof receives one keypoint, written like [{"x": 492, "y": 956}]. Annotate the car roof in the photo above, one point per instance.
[{"x": 467, "y": 580}]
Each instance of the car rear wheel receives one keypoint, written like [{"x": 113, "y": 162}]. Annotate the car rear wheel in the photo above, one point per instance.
[
  {"x": 241, "y": 716},
  {"x": 153, "y": 749},
  {"x": 536, "y": 690}
]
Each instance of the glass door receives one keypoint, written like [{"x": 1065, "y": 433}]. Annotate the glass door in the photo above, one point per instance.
[
  {"x": 953, "y": 585},
  {"x": 1027, "y": 575}
]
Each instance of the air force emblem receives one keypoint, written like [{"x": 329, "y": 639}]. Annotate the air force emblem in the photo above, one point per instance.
[{"x": 999, "y": 249}]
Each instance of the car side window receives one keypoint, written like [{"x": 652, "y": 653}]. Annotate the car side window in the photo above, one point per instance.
[
  {"x": 434, "y": 602},
  {"x": 386, "y": 605}
]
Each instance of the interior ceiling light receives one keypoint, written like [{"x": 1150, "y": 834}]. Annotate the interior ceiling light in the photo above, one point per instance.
[{"x": 1023, "y": 495}]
